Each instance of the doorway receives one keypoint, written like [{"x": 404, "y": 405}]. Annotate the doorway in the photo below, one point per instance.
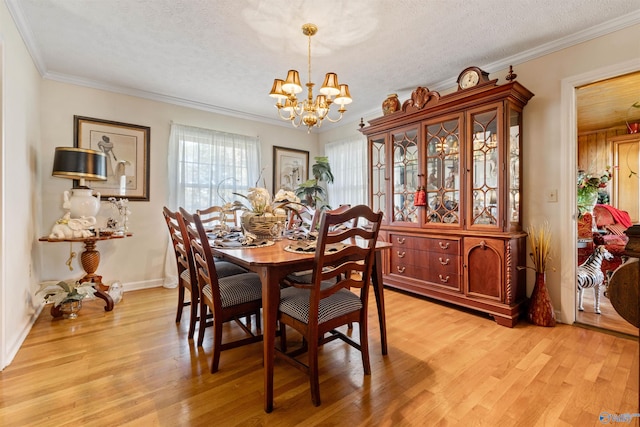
[{"x": 603, "y": 140}]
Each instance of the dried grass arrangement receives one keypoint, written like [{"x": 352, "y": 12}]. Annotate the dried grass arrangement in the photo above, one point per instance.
[{"x": 540, "y": 244}]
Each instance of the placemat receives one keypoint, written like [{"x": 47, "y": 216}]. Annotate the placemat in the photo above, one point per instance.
[
  {"x": 310, "y": 247},
  {"x": 234, "y": 244}
]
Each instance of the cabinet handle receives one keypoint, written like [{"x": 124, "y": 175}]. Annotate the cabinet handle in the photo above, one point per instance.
[
  {"x": 401, "y": 240},
  {"x": 401, "y": 254},
  {"x": 444, "y": 261},
  {"x": 400, "y": 269},
  {"x": 443, "y": 279},
  {"x": 443, "y": 245}
]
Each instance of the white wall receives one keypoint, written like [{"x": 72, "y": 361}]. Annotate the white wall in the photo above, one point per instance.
[
  {"x": 137, "y": 261},
  {"x": 20, "y": 181}
]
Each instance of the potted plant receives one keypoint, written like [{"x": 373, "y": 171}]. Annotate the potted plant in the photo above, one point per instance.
[
  {"x": 311, "y": 191},
  {"x": 66, "y": 296}
]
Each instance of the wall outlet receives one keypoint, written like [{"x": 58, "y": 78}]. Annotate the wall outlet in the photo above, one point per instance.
[{"x": 552, "y": 196}]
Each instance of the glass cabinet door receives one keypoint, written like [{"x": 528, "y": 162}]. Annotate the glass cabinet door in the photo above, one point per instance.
[
  {"x": 485, "y": 169},
  {"x": 442, "y": 167},
  {"x": 404, "y": 183},
  {"x": 515, "y": 123},
  {"x": 377, "y": 147}
]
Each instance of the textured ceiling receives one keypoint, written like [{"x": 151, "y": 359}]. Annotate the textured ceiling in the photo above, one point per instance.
[{"x": 222, "y": 55}]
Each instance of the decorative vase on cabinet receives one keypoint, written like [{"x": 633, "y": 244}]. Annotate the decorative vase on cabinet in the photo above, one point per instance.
[
  {"x": 391, "y": 104},
  {"x": 464, "y": 244}
]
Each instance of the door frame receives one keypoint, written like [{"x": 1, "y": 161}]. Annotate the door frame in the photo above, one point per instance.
[{"x": 569, "y": 154}]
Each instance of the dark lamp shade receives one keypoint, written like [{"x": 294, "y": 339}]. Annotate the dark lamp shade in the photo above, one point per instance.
[{"x": 79, "y": 163}]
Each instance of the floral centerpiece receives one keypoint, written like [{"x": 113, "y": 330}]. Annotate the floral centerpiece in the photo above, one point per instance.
[
  {"x": 264, "y": 212},
  {"x": 588, "y": 187}
]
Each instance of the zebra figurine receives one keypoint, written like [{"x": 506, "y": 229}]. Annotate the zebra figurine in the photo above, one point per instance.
[{"x": 590, "y": 275}]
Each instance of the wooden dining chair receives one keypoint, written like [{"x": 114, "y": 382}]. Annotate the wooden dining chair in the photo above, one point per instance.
[
  {"x": 303, "y": 217},
  {"x": 227, "y": 298},
  {"x": 216, "y": 215},
  {"x": 305, "y": 276},
  {"x": 187, "y": 279},
  {"x": 317, "y": 309},
  {"x": 184, "y": 262}
]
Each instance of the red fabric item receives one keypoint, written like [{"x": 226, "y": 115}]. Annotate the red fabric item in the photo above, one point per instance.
[
  {"x": 621, "y": 217},
  {"x": 618, "y": 229}
]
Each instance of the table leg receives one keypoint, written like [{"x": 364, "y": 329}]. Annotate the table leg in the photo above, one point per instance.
[
  {"x": 90, "y": 259},
  {"x": 270, "y": 300},
  {"x": 378, "y": 290}
]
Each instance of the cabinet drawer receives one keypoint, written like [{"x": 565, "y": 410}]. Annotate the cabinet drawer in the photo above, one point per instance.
[
  {"x": 406, "y": 256},
  {"x": 411, "y": 271},
  {"x": 450, "y": 280},
  {"x": 443, "y": 263},
  {"x": 409, "y": 242},
  {"x": 444, "y": 246}
]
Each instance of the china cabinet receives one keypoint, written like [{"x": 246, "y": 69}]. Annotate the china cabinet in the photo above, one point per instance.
[{"x": 445, "y": 170}]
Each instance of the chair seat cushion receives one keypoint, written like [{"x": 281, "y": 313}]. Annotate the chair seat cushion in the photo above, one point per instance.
[
  {"x": 301, "y": 276},
  {"x": 185, "y": 276},
  {"x": 295, "y": 303},
  {"x": 226, "y": 268},
  {"x": 237, "y": 289}
]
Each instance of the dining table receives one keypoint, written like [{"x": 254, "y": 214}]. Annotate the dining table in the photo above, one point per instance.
[{"x": 273, "y": 263}]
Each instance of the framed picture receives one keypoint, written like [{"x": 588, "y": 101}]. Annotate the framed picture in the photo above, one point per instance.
[
  {"x": 127, "y": 150},
  {"x": 290, "y": 168}
]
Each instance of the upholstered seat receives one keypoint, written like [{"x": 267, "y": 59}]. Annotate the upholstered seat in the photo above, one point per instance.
[
  {"x": 296, "y": 304},
  {"x": 236, "y": 289}
]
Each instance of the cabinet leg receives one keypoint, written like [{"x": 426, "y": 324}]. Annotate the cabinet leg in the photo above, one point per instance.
[{"x": 505, "y": 321}]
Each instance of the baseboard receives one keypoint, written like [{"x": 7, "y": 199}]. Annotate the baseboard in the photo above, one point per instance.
[
  {"x": 11, "y": 352},
  {"x": 145, "y": 284}
]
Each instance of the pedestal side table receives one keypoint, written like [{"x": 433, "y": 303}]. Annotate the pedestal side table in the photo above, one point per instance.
[{"x": 90, "y": 259}]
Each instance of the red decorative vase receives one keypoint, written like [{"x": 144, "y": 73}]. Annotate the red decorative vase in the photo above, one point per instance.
[{"x": 540, "y": 308}]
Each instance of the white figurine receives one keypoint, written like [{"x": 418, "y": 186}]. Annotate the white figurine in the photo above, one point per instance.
[{"x": 73, "y": 228}]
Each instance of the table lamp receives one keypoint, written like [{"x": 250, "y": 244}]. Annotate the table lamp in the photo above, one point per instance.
[{"x": 84, "y": 165}]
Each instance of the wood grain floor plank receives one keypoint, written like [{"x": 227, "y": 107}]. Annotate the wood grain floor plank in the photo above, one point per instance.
[{"x": 135, "y": 367}]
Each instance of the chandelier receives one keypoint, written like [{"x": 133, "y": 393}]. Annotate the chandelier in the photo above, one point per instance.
[{"x": 309, "y": 112}]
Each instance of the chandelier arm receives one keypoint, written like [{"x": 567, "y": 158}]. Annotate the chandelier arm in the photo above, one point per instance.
[
  {"x": 336, "y": 120},
  {"x": 298, "y": 123},
  {"x": 290, "y": 117}
]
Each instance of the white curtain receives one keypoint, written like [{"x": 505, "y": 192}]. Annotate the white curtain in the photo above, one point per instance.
[
  {"x": 348, "y": 160},
  {"x": 204, "y": 168}
]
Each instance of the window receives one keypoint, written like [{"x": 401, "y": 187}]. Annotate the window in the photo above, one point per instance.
[
  {"x": 348, "y": 160},
  {"x": 207, "y": 166}
]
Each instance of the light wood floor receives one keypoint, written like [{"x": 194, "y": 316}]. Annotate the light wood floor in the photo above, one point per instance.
[
  {"x": 609, "y": 317},
  {"x": 134, "y": 367}
]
